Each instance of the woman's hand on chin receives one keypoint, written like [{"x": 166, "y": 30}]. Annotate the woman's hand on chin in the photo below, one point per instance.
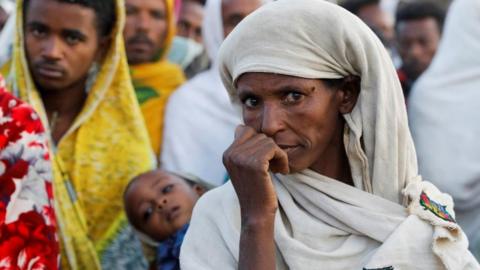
[{"x": 249, "y": 161}]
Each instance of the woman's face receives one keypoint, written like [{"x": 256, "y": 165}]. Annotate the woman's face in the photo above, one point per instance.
[{"x": 303, "y": 116}]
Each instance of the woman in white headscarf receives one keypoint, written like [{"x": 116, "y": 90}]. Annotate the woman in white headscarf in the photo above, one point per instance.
[
  {"x": 444, "y": 116},
  {"x": 200, "y": 118},
  {"x": 324, "y": 173}
]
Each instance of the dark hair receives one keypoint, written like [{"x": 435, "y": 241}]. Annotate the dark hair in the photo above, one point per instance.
[
  {"x": 104, "y": 11},
  {"x": 185, "y": 178},
  {"x": 420, "y": 10},
  {"x": 354, "y": 6}
]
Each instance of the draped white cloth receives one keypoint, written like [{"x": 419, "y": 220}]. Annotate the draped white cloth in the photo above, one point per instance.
[
  {"x": 322, "y": 223},
  {"x": 200, "y": 119},
  {"x": 444, "y": 116}
]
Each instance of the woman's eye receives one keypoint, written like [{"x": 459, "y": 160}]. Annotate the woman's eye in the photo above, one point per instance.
[
  {"x": 147, "y": 214},
  {"x": 293, "y": 97},
  {"x": 167, "y": 189},
  {"x": 250, "y": 102}
]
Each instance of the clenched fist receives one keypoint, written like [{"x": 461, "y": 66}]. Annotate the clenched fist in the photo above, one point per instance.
[{"x": 249, "y": 161}]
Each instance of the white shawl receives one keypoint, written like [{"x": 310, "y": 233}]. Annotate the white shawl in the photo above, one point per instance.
[
  {"x": 200, "y": 120},
  {"x": 322, "y": 223},
  {"x": 445, "y": 118}
]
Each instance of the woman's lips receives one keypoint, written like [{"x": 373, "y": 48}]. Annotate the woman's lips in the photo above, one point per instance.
[{"x": 289, "y": 148}]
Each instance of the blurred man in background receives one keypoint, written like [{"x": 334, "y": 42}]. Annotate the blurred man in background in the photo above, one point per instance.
[
  {"x": 375, "y": 17},
  {"x": 149, "y": 32},
  {"x": 418, "y": 30},
  {"x": 188, "y": 49}
]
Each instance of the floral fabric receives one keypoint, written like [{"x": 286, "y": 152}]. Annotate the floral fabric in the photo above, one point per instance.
[{"x": 27, "y": 220}]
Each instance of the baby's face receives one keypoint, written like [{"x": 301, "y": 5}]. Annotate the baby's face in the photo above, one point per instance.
[{"x": 158, "y": 204}]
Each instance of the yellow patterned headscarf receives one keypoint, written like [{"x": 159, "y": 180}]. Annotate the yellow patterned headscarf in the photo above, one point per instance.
[
  {"x": 155, "y": 82},
  {"x": 106, "y": 146}
]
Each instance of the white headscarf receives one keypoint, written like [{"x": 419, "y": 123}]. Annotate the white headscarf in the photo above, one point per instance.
[
  {"x": 379, "y": 120},
  {"x": 200, "y": 120},
  {"x": 322, "y": 223},
  {"x": 445, "y": 118}
]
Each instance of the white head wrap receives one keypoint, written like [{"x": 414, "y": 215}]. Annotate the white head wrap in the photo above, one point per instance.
[
  {"x": 386, "y": 162},
  {"x": 444, "y": 116}
]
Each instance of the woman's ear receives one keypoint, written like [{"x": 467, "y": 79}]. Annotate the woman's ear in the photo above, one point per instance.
[
  {"x": 199, "y": 190},
  {"x": 348, "y": 94}
]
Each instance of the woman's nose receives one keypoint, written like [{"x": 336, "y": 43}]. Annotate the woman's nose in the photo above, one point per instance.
[{"x": 272, "y": 120}]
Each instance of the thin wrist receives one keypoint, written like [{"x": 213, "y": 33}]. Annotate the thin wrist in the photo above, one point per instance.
[{"x": 255, "y": 223}]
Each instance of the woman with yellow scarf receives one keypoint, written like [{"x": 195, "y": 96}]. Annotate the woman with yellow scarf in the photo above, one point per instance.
[
  {"x": 69, "y": 63},
  {"x": 149, "y": 33}
]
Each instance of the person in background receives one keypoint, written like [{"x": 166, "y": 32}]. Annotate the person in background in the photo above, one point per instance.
[
  {"x": 159, "y": 205},
  {"x": 7, "y": 31},
  {"x": 6, "y": 8},
  {"x": 187, "y": 49},
  {"x": 149, "y": 31},
  {"x": 375, "y": 17},
  {"x": 324, "y": 171},
  {"x": 444, "y": 115},
  {"x": 190, "y": 20},
  {"x": 28, "y": 237},
  {"x": 69, "y": 63},
  {"x": 200, "y": 119},
  {"x": 418, "y": 31}
]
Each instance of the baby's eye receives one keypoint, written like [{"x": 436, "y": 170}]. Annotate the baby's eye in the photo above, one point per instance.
[
  {"x": 147, "y": 214},
  {"x": 167, "y": 189},
  {"x": 293, "y": 97}
]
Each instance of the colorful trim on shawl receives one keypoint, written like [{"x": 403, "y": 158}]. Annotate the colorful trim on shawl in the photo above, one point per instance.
[{"x": 436, "y": 208}]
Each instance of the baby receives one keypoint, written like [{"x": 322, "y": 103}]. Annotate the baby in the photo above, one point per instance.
[{"x": 159, "y": 206}]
